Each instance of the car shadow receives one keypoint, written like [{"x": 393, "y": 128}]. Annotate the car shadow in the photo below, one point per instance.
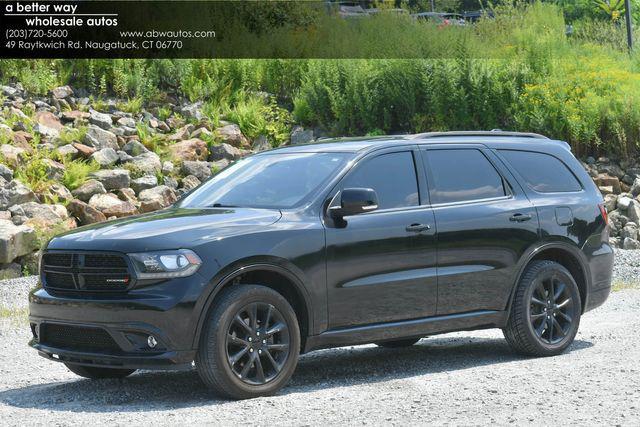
[{"x": 165, "y": 391}]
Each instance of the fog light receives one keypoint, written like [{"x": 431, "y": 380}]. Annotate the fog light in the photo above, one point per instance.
[{"x": 151, "y": 341}]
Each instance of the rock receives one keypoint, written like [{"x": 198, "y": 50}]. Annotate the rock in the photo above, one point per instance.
[
  {"x": 10, "y": 271},
  {"x": 6, "y": 172},
  {"x": 623, "y": 202},
  {"x": 231, "y": 134},
  {"x": 105, "y": 157},
  {"x": 9, "y": 91},
  {"x": 301, "y": 136},
  {"x": 167, "y": 167},
  {"x": 127, "y": 122},
  {"x": 629, "y": 243},
  {"x": 630, "y": 230},
  {"x": 128, "y": 195},
  {"x": 218, "y": 165},
  {"x": 201, "y": 170},
  {"x": 100, "y": 119},
  {"x": 605, "y": 189},
  {"x": 23, "y": 139},
  {"x": 193, "y": 111},
  {"x": 611, "y": 169},
  {"x": 134, "y": 148},
  {"x": 11, "y": 155},
  {"x": 261, "y": 144},
  {"x": 49, "y": 120},
  {"x": 16, "y": 193},
  {"x": 201, "y": 132},
  {"x": 86, "y": 214},
  {"x": 5, "y": 215},
  {"x": 157, "y": 198},
  {"x": 99, "y": 138},
  {"x": 182, "y": 133},
  {"x": 190, "y": 182},
  {"x": 189, "y": 150},
  {"x": 110, "y": 205},
  {"x": 30, "y": 263},
  {"x": 171, "y": 182},
  {"x": 124, "y": 157},
  {"x": 113, "y": 179},
  {"x": 56, "y": 193},
  {"x": 67, "y": 150},
  {"x": 224, "y": 152},
  {"x": 62, "y": 92},
  {"x": 84, "y": 150},
  {"x": 144, "y": 183},
  {"x": 610, "y": 201},
  {"x": 72, "y": 116},
  {"x": 148, "y": 163},
  {"x": 635, "y": 187},
  {"x": 47, "y": 215},
  {"x": 15, "y": 241},
  {"x": 54, "y": 170},
  {"x": 633, "y": 212}
]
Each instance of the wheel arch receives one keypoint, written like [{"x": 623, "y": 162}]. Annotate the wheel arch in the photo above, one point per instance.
[
  {"x": 570, "y": 257},
  {"x": 273, "y": 273}
]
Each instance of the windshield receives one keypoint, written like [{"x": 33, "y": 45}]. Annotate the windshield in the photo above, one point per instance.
[{"x": 277, "y": 181}]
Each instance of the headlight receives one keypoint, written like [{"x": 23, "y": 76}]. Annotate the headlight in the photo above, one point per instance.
[{"x": 165, "y": 264}]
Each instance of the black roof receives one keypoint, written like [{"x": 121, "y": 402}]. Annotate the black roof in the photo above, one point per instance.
[{"x": 361, "y": 144}]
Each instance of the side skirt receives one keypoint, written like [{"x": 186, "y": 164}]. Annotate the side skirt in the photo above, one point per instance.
[{"x": 485, "y": 319}]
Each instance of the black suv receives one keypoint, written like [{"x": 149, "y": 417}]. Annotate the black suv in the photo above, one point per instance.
[{"x": 376, "y": 240}]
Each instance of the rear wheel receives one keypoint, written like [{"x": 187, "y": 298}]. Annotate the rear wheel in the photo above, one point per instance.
[
  {"x": 407, "y": 342},
  {"x": 545, "y": 314},
  {"x": 250, "y": 344},
  {"x": 95, "y": 373}
]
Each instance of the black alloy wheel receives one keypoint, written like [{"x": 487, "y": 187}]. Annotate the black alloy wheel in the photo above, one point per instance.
[
  {"x": 250, "y": 343},
  {"x": 257, "y": 343},
  {"x": 551, "y": 309},
  {"x": 545, "y": 312}
]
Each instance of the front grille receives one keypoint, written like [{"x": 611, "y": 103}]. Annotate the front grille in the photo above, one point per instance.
[
  {"x": 57, "y": 260},
  {"x": 85, "y": 271},
  {"x": 77, "y": 338}
]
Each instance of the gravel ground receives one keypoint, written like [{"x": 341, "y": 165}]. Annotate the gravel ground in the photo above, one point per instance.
[{"x": 461, "y": 378}]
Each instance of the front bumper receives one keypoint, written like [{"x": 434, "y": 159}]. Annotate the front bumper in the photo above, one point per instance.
[{"x": 113, "y": 330}]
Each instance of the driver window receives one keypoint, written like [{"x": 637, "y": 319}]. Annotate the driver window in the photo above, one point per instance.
[{"x": 392, "y": 176}]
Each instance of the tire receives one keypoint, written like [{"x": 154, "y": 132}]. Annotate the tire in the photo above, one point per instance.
[
  {"x": 407, "y": 342},
  {"x": 96, "y": 373},
  {"x": 226, "y": 359},
  {"x": 541, "y": 324}
]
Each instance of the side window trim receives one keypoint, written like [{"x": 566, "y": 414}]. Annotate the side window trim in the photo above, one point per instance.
[
  {"x": 506, "y": 185},
  {"x": 406, "y": 149}
]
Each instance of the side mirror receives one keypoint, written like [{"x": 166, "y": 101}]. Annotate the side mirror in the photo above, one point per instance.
[{"x": 354, "y": 201}]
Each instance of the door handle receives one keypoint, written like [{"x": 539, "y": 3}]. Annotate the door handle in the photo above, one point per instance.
[
  {"x": 418, "y": 228},
  {"x": 520, "y": 217}
]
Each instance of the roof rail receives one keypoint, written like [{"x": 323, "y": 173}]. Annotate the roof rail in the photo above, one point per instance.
[{"x": 495, "y": 132}]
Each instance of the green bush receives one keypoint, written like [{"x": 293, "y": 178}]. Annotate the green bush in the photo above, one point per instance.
[
  {"x": 518, "y": 71},
  {"x": 77, "y": 173}
]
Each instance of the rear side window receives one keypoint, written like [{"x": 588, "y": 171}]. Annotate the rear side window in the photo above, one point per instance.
[
  {"x": 462, "y": 175},
  {"x": 542, "y": 172},
  {"x": 392, "y": 176}
]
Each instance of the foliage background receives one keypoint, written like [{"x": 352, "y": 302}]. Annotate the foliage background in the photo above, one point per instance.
[{"x": 519, "y": 71}]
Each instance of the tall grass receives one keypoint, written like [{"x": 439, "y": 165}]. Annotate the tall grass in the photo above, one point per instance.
[{"x": 518, "y": 71}]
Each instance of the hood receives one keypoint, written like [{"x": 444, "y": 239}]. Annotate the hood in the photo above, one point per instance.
[{"x": 175, "y": 228}]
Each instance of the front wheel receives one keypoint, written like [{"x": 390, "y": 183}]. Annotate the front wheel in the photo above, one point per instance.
[
  {"x": 546, "y": 309},
  {"x": 96, "y": 373},
  {"x": 250, "y": 344}
]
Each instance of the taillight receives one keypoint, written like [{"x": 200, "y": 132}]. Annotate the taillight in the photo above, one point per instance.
[{"x": 603, "y": 212}]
